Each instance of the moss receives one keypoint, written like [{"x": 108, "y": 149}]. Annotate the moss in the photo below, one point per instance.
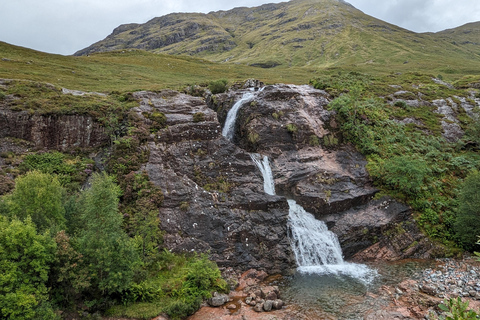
[
  {"x": 184, "y": 206},
  {"x": 292, "y": 128},
  {"x": 330, "y": 140},
  {"x": 278, "y": 114},
  {"x": 314, "y": 141},
  {"x": 198, "y": 117}
]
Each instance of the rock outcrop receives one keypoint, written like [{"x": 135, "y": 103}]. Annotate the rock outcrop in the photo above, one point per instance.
[
  {"x": 213, "y": 197},
  {"x": 53, "y": 131},
  {"x": 292, "y": 125}
]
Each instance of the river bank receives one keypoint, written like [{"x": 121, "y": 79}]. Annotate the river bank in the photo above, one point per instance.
[{"x": 409, "y": 289}]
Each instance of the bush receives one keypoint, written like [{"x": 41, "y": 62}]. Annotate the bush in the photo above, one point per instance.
[
  {"x": 38, "y": 196},
  {"x": 25, "y": 257},
  {"x": 314, "y": 141},
  {"x": 401, "y": 104},
  {"x": 218, "y": 86},
  {"x": 455, "y": 309},
  {"x": 71, "y": 172},
  {"x": 467, "y": 224}
]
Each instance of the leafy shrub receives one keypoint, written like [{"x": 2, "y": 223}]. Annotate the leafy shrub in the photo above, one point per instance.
[
  {"x": 455, "y": 309},
  {"x": 314, "y": 141},
  {"x": 330, "y": 140},
  {"x": 278, "y": 114},
  {"x": 177, "y": 288},
  {"x": 38, "y": 196},
  {"x": 218, "y": 86},
  {"x": 71, "y": 172},
  {"x": 180, "y": 309},
  {"x": 401, "y": 104},
  {"x": 25, "y": 257},
  {"x": 404, "y": 173},
  {"x": 184, "y": 206}
]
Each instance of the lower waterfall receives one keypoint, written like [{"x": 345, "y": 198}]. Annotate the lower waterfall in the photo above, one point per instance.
[{"x": 316, "y": 249}]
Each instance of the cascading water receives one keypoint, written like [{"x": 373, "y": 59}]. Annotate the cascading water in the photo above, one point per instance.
[
  {"x": 229, "y": 127},
  {"x": 316, "y": 249}
]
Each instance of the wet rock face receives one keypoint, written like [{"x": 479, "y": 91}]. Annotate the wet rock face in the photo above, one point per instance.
[
  {"x": 214, "y": 200},
  {"x": 381, "y": 230},
  {"x": 292, "y": 125},
  {"x": 60, "y": 132}
]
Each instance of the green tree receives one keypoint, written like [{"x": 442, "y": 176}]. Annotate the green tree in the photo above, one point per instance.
[
  {"x": 107, "y": 250},
  {"x": 467, "y": 224},
  {"x": 39, "y": 196},
  {"x": 68, "y": 275},
  {"x": 25, "y": 257}
]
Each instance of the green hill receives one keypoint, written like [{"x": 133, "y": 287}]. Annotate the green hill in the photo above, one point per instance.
[
  {"x": 300, "y": 33},
  {"x": 129, "y": 70}
]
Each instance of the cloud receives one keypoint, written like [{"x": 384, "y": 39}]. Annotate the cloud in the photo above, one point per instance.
[{"x": 422, "y": 16}]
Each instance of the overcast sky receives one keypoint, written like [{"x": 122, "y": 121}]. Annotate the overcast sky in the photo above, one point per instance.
[{"x": 65, "y": 26}]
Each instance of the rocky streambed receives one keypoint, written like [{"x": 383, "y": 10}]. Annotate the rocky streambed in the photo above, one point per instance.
[{"x": 408, "y": 289}]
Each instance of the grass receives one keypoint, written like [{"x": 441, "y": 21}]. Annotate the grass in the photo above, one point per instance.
[{"x": 128, "y": 70}]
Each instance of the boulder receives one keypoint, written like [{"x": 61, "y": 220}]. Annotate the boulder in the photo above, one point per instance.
[{"x": 218, "y": 300}]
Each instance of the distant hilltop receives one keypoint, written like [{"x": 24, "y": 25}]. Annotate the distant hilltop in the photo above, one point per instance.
[{"x": 295, "y": 33}]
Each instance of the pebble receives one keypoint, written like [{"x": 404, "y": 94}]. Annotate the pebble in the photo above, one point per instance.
[{"x": 451, "y": 279}]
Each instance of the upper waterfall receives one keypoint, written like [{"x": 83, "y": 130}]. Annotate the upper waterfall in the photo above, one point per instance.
[{"x": 229, "y": 126}]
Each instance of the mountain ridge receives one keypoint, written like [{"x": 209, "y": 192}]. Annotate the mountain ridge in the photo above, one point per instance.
[{"x": 296, "y": 33}]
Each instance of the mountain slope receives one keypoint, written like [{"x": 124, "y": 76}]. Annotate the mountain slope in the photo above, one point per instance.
[{"x": 297, "y": 33}]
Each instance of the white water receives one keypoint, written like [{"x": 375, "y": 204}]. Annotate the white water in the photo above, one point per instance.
[
  {"x": 264, "y": 166},
  {"x": 316, "y": 249},
  {"x": 229, "y": 127}
]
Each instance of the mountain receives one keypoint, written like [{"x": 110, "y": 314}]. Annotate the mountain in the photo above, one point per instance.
[
  {"x": 468, "y": 34},
  {"x": 311, "y": 33}
]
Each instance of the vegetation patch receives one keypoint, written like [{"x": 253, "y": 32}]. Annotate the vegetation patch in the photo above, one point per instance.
[{"x": 421, "y": 169}]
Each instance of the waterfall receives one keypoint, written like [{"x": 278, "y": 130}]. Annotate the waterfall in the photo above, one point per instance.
[
  {"x": 264, "y": 166},
  {"x": 229, "y": 127},
  {"x": 316, "y": 249}
]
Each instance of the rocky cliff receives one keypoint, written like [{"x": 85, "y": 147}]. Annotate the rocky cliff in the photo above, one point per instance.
[
  {"x": 53, "y": 131},
  {"x": 213, "y": 193}
]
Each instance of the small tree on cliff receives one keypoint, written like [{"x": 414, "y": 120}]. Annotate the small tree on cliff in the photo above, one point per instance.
[
  {"x": 108, "y": 252},
  {"x": 39, "y": 196}
]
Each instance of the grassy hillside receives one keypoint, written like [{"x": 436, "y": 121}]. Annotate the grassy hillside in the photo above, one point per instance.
[
  {"x": 128, "y": 70},
  {"x": 300, "y": 33}
]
